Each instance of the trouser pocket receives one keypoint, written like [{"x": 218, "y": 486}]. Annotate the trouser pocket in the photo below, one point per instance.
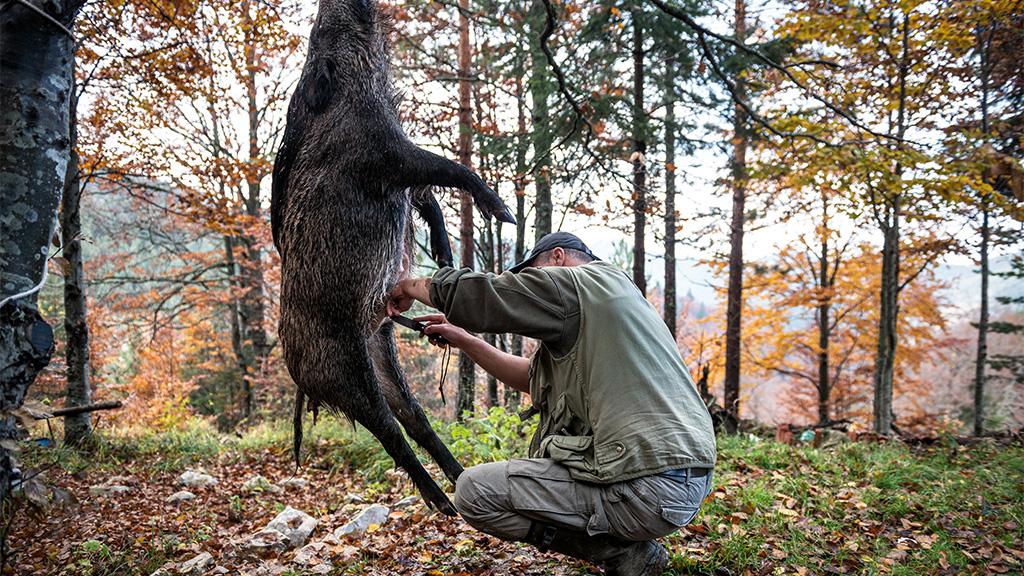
[
  {"x": 682, "y": 499},
  {"x": 543, "y": 490}
]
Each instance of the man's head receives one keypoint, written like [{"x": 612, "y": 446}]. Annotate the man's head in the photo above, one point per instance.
[{"x": 557, "y": 249}]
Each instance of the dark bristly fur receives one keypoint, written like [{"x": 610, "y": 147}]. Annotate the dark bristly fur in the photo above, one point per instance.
[{"x": 344, "y": 182}]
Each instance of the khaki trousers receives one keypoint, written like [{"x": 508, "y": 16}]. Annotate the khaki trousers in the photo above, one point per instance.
[{"x": 504, "y": 498}]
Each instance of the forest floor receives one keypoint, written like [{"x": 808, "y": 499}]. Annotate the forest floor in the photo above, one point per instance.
[{"x": 869, "y": 508}]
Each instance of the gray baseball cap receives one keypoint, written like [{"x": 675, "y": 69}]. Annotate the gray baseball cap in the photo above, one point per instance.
[{"x": 551, "y": 241}]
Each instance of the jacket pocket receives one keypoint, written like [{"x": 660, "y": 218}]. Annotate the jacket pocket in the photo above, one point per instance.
[{"x": 568, "y": 449}]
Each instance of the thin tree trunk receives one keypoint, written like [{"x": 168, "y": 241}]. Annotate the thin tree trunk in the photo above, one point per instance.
[
  {"x": 467, "y": 370},
  {"x": 734, "y": 305},
  {"x": 670, "y": 197},
  {"x": 34, "y": 153},
  {"x": 982, "y": 355},
  {"x": 238, "y": 339},
  {"x": 824, "y": 317},
  {"x": 639, "y": 151},
  {"x": 78, "y": 390},
  {"x": 512, "y": 396},
  {"x": 251, "y": 266},
  {"x": 885, "y": 361},
  {"x": 540, "y": 90}
]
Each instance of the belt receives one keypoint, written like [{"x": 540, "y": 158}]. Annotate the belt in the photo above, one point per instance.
[{"x": 684, "y": 473}]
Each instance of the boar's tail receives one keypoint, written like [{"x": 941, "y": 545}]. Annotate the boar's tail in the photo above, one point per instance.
[{"x": 300, "y": 405}]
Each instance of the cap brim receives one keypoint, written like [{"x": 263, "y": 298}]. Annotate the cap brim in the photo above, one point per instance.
[{"x": 524, "y": 264}]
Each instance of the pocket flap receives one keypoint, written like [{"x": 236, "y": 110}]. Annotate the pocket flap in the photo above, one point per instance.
[
  {"x": 679, "y": 516},
  {"x": 572, "y": 443}
]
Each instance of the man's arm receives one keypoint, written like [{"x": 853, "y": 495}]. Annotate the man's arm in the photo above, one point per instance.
[{"x": 513, "y": 370}]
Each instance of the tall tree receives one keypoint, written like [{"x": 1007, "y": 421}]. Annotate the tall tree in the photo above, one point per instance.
[
  {"x": 541, "y": 89},
  {"x": 669, "y": 90},
  {"x": 78, "y": 390},
  {"x": 36, "y": 69},
  {"x": 467, "y": 369},
  {"x": 734, "y": 303},
  {"x": 638, "y": 158}
]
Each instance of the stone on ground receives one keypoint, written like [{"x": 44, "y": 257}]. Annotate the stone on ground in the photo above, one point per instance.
[
  {"x": 196, "y": 479},
  {"x": 375, "y": 514},
  {"x": 179, "y": 497},
  {"x": 294, "y": 525},
  {"x": 295, "y": 484},
  {"x": 406, "y": 502},
  {"x": 196, "y": 566},
  {"x": 108, "y": 489},
  {"x": 260, "y": 484}
]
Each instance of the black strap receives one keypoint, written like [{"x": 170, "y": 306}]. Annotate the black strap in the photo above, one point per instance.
[{"x": 541, "y": 535}]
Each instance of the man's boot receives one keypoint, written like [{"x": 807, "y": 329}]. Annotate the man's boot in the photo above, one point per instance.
[{"x": 618, "y": 557}]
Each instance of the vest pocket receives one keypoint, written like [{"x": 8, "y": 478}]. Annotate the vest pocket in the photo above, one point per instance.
[
  {"x": 610, "y": 452},
  {"x": 568, "y": 449}
]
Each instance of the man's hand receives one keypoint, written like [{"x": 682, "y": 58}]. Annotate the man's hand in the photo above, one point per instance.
[
  {"x": 407, "y": 291},
  {"x": 438, "y": 325}
]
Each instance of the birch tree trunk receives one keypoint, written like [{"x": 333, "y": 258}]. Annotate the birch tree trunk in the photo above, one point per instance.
[
  {"x": 671, "y": 312},
  {"x": 541, "y": 88}
]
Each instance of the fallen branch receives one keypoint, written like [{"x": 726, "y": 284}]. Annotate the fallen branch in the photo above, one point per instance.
[{"x": 72, "y": 410}]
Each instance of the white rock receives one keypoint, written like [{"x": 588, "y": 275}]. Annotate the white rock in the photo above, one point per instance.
[
  {"x": 219, "y": 570},
  {"x": 296, "y": 484},
  {"x": 375, "y": 514},
  {"x": 194, "y": 479},
  {"x": 406, "y": 502},
  {"x": 266, "y": 539},
  {"x": 260, "y": 484},
  {"x": 295, "y": 525},
  {"x": 324, "y": 568},
  {"x": 179, "y": 497},
  {"x": 197, "y": 565},
  {"x": 107, "y": 489}
]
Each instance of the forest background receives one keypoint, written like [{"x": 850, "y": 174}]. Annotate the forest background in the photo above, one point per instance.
[{"x": 823, "y": 199}]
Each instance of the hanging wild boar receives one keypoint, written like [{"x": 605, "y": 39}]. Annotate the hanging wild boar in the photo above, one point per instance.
[{"x": 345, "y": 181}]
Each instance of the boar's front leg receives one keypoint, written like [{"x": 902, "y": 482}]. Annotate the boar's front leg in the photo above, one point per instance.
[
  {"x": 404, "y": 405},
  {"x": 422, "y": 168},
  {"x": 428, "y": 209}
]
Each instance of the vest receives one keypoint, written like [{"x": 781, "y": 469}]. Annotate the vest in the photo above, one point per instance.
[{"x": 621, "y": 403}]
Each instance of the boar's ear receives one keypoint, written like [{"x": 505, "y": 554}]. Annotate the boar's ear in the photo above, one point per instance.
[{"x": 318, "y": 83}]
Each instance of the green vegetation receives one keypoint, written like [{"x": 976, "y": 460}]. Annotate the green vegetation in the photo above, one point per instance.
[{"x": 857, "y": 508}]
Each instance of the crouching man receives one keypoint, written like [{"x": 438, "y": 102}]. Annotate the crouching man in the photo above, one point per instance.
[{"x": 625, "y": 447}]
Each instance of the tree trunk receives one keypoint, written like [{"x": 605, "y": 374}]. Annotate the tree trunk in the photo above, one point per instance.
[
  {"x": 467, "y": 370},
  {"x": 982, "y": 356},
  {"x": 886, "y": 353},
  {"x": 239, "y": 346},
  {"x": 734, "y": 305},
  {"x": 519, "y": 251},
  {"x": 639, "y": 150},
  {"x": 36, "y": 58},
  {"x": 78, "y": 390},
  {"x": 540, "y": 90},
  {"x": 253, "y": 308},
  {"x": 885, "y": 361},
  {"x": 824, "y": 317},
  {"x": 670, "y": 197}
]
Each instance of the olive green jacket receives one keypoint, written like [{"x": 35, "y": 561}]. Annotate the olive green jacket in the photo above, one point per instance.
[{"x": 615, "y": 399}]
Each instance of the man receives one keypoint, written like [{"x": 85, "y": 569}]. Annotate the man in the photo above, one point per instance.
[{"x": 624, "y": 449}]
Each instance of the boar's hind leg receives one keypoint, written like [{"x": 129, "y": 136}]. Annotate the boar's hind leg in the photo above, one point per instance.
[
  {"x": 404, "y": 405},
  {"x": 359, "y": 396},
  {"x": 428, "y": 169},
  {"x": 428, "y": 209}
]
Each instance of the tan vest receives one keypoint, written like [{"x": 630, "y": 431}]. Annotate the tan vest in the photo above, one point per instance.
[{"x": 620, "y": 404}]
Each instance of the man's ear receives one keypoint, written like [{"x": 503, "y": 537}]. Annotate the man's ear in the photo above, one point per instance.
[{"x": 318, "y": 83}]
